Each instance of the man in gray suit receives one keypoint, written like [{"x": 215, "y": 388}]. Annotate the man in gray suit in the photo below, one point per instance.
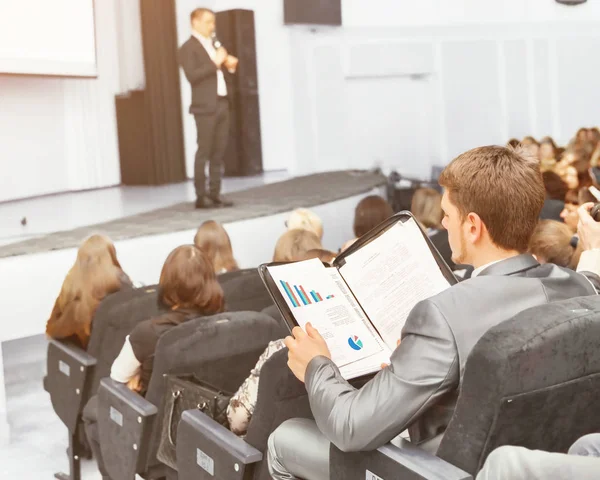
[{"x": 493, "y": 197}]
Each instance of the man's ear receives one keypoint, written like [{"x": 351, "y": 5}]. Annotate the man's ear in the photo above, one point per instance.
[{"x": 476, "y": 227}]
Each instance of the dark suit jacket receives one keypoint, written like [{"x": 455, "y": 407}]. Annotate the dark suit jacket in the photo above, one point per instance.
[
  {"x": 552, "y": 210},
  {"x": 201, "y": 72},
  {"x": 419, "y": 389}
]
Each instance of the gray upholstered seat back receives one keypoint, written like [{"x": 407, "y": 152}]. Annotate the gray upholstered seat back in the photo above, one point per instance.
[
  {"x": 219, "y": 350},
  {"x": 115, "y": 318},
  {"x": 532, "y": 381},
  {"x": 244, "y": 291}
]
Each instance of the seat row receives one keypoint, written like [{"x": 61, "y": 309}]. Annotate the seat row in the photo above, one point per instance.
[{"x": 530, "y": 381}]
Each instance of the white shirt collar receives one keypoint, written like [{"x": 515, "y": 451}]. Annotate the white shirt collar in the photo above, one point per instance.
[
  {"x": 478, "y": 270},
  {"x": 202, "y": 39}
]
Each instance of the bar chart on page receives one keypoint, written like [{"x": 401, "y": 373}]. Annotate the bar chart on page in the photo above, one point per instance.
[{"x": 299, "y": 297}]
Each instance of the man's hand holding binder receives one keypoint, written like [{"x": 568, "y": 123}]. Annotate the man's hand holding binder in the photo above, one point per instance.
[
  {"x": 354, "y": 311},
  {"x": 303, "y": 347}
]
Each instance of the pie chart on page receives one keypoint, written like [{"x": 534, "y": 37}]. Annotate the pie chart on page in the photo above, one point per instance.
[{"x": 355, "y": 343}]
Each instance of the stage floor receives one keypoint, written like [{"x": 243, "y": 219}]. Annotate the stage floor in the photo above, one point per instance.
[
  {"x": 259, "y": 201},
  {"x": 66, "y": 211}
]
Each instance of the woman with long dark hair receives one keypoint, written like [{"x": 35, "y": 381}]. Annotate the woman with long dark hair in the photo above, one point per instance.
[{"x": 189, "y": 287}]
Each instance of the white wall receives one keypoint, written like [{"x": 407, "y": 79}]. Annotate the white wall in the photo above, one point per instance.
[
  {"x": 274, "y": 79},
  {"x": 409, "y": 85},
  {"x": 393, "y": 13},
  {"x": 59, "y": 134}
]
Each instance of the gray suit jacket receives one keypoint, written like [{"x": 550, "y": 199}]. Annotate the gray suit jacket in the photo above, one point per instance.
[{"x": 419, "y": 389}]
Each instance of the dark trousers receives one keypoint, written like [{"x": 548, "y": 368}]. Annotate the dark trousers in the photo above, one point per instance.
[
  {"x": 212, "y": 135},
  {"x": 90, "y": 420}
]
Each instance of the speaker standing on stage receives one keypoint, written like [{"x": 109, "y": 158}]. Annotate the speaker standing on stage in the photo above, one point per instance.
[{"x": 203, "y": 58}]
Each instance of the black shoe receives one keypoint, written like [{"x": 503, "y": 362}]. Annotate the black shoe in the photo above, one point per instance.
[
  {"x": 204, "y": 202},
  {"x": 219, "y": 201}
]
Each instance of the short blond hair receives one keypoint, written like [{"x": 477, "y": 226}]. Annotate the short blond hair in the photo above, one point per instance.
[
  {"x": 305, "y": 219},
  {"x": 294, "y": 244}
]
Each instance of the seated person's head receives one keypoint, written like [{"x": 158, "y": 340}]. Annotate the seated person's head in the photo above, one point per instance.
[
  {"x": 304, "y": 219},
  {"x": 556, "y": 188},
  {"x": 531, "y": 146},
  {"x": 553, "y": 242},
  {"x": 426, "y": 206},
  {"x": 569, "y": 216},
  {"x": 188, "y": 282},
  {"x": 213, "y": 240},
  {"x": 369, "y": 213},
  {"x": 293, "y": 244},
  {"x": 324, "y": 255},
  {"x": 95, "y": 274},
  {"x": 492, "y": 200},
  {"x": 548, "y": 149}
]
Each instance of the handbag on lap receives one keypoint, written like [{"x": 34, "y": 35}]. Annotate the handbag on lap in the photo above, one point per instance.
[{"x": 187, "y": 393}]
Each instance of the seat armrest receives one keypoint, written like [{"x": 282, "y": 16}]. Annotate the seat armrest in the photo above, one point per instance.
[
  {"x": 392, "y": 462},
  {"x": 125, "y": 422},
  {"x": 69, "y": 373},
  {"x": 123, "y": 393},
  {"x": 207, "y": 450},
  {"x": 81, "y": 356}
]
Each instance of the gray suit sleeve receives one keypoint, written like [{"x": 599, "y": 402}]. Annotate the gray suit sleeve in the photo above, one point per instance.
[
  {"x": 195, "y": 71},
  {"x": 423, "y": 368}
]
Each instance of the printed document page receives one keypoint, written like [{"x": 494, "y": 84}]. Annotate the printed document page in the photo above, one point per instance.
[
  {"x": 313, "y": 296},
  {"x": 390, "y": 275}
]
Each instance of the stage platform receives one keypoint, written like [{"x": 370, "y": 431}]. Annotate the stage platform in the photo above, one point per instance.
[
  {"x": 146, "y": 223},
  {"x": 260, "y": 201}
]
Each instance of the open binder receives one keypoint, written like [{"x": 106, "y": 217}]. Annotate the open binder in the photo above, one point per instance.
[{"x": 360, "y": 304}]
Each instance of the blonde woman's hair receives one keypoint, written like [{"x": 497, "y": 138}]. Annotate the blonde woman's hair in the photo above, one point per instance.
[
  {"x": 95, "y": 274},
  {"x": 294, "y": 244},
  {"x": 426, "y": 206},
  {"x": 213, "y": 240},
  {"x": 304, "y": 219}
]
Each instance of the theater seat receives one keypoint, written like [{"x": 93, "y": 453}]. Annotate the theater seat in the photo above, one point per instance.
[
  {"x": 532, "y": 381},
  {"x": 219, "y": 350},
  {"x": 69, "y": 392},
  {"x": 68, "y": 382},
  {"x": 203, "y": 446},
  {"x": 244, "y": 291}
]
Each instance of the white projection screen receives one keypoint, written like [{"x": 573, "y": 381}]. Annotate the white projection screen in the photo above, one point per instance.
[{"x": 48, "y": 37}]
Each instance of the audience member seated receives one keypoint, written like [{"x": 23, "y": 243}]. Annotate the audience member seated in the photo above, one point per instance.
[
  {"x": 513, "y": 142},
  {"x": 518, "y": 463},
  {"x": 426, "y": 368},
  {"x": 531, "y": 146},
  {"x": 569, "y": 216},
  {"x": 324, "y": 255},
  {"x": 548, "y": 154},
  {"x": 304, "y": 219},
  {"x": 370, "y": 212},
  {"x": 241, "y": 406},
  {"x": 95, "y": 274},
  {"x": 554, "y": 242},
  {"x": 568, "y": 173},
  {"x": 427, "y": 208},
  {"x": 189, "y": 287},
  {"x": 293, "y": 244},
  {"x": 213, "y": 240},
  {"x": 556, "y": 191}
]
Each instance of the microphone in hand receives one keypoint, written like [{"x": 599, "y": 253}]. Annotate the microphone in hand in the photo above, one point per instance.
[{"x": 215, "y": 41}]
